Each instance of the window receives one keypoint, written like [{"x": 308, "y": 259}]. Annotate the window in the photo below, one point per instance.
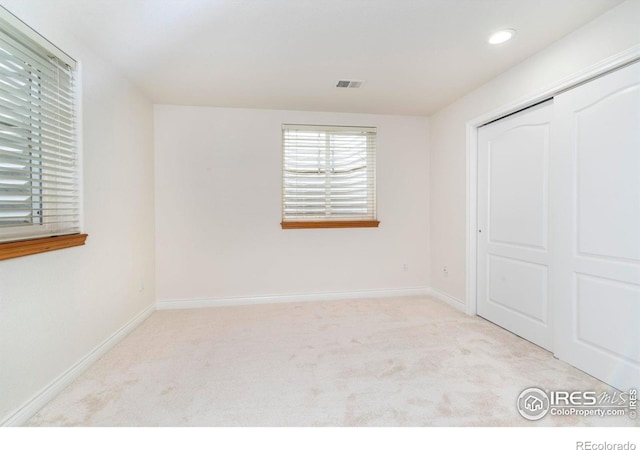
[
  {"x": 39, "y": 183},
  {"x": 329, "y": 177}
]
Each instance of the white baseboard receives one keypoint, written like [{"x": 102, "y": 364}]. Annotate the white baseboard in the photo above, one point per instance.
[
  {"x": 448, "y": 299},
  {"x": 229, "y": 301},
  {"x": 26, "y": 411}
]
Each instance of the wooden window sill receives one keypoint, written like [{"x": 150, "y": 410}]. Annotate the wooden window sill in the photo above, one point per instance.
[
  {"x": 331, "y": 224},
  {"x": 26, "y": 247}
]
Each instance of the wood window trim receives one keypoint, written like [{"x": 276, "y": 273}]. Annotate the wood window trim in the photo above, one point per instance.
[
  {"x": 331, "y": 224},
  {"x": 27, "y": 247}
]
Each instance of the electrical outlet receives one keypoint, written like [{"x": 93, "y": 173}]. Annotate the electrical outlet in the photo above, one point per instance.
[
  {"x": 445, "y": 271},
  {"x": 405, "y": 267}
]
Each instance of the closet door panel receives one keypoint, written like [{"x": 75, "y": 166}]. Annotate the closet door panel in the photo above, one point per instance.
[
  {"x": 513, "y": 204},
  {"x": 595, "y": 227}
]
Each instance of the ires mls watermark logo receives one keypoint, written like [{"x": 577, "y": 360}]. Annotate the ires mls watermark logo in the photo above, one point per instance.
[{"x": 534, "y": 403}]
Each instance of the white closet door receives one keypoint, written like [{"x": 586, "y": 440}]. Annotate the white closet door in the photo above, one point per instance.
[
  {"x": 595, "y": 206},
  {"x": 513, "y": 216}
]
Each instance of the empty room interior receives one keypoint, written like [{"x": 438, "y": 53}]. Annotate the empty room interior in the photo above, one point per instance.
[{"x": 339, "y": 213}]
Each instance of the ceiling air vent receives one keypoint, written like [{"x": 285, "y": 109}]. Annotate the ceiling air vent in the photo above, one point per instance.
[{"x": 349, "y": 84}]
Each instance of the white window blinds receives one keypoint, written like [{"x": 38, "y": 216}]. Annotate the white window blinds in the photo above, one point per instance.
[
  {"x": 329, "y": 173},
  {"x": 39, "y": 193}
]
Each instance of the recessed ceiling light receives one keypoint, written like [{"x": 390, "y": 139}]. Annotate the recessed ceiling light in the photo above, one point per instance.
[{"x": 501, "y": 36}]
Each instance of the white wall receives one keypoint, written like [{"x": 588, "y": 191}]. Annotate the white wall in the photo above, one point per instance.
[
  {"x": 611, "y": 33},
  {"x": 218, "y": 209},
  {"x": 56, "y": 307}
]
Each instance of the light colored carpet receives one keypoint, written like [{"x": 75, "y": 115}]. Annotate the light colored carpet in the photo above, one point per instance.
[{"x": 374, "y": 362}]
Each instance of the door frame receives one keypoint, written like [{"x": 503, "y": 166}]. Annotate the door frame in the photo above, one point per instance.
[{"x": 614, "y": 62}]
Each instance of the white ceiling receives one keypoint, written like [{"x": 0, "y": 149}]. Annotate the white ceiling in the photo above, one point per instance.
[{"x": 415, "y": 55}]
